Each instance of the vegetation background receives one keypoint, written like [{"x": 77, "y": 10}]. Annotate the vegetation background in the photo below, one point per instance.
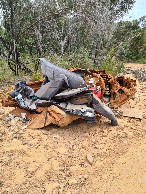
[{"x": 70, "y": 33}]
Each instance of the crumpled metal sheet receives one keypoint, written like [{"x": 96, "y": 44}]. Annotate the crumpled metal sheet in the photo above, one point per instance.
[
  {"x": 9, "y": 101},
  {"x": 51, "y": 115},
  {"x": 119, "y": 89},
  {"x": 35, "y": 85},
  {"x": 53, "y": 72},
  {"x": 40, "y": 119},
  {"x": 122, "y": 89}
]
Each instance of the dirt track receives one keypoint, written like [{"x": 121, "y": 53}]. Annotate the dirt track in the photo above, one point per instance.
[{"x": 54, "y": 160}]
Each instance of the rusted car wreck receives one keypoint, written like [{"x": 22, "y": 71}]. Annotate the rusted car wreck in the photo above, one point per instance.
[{"x": 68, "y": 94}]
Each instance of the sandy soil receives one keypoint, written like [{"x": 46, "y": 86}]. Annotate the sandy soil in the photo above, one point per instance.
[{"x": 77, "y": 159}]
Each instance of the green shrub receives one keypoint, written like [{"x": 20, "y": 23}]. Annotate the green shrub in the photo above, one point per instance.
[
  {"x": 80, "y": 60},
  {"x": 111, "y": 65},
  {"x": 142, "y": 60},
  {"x": 5, "y": 73},
  {"x": 37, "y": 76}
]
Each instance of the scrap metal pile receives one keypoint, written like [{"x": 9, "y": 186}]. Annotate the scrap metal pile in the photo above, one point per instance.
[{"x": 68, "y": 94}]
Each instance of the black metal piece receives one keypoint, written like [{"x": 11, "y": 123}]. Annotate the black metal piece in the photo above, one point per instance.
[{"x": 45, "y": 119}]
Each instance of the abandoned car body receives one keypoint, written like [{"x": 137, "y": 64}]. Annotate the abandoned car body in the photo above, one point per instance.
[{"x": 68, "y": 94}]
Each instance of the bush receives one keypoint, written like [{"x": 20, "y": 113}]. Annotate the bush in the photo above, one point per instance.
[
  {"x": 5, "y": 73},
  {"x": 112, "y": 65},
  {"x": 37, "y": 76},
  {"x": 80, "y": 60},
  {"x": 142, "y": 60}
]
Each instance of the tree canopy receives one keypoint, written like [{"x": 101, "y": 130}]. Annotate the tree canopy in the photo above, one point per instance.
[{"x": 40, "y": 27}]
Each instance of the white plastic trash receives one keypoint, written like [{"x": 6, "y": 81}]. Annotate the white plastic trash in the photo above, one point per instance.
[{"x": 23, "y": 115}]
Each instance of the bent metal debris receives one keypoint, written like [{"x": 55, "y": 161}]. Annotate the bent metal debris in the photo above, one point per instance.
[{"x": 68, "y": 94}]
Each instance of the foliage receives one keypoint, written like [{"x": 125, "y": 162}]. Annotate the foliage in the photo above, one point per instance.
[
  {"x": 130, "y": 40},
  {"x": 142, "y": 60},
  {"x": 112, "y": 65},
  {"x": 5, "y": 73},
  {"x": 120, "y": 7},
  {"x": 72, "y": 33},
  {"x": 37, "y": 76},
  {"x": 80, "y": 59},
  {"x": 38, "y": 28}
]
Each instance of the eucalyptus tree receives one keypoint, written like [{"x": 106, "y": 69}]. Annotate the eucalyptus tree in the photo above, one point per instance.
[
  {"x": 41, "y": 27},
  {"x": 16, "y": 15},
  {"x": 130, "y": 39},
  {"x": 70, "y": 25}
]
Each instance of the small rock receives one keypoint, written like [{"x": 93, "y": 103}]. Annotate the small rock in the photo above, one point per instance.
[
  {"x": 62, "y": 185},
  {"x": 72, "y": 181},
  {"x": 60, "y": 191},
  {"x": 82, "y": 179},
  {"x": 9, "y": 117},
  {"x": 2, "y": 112},
  {"x": 46, "y": 133},
  {"x": 1, "y": 138},
  {"x": 89, "y": 158},
  {"x": 96, "y": 146},
  {"x": 130, "y": 133},
  {"x": 132, "y": 113},
  {"x": 24, "y": 127},
  {"x": 24, "y": 142},
  {"x": 86, "y": 176}
]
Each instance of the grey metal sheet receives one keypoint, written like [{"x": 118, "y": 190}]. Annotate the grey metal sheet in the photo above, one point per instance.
[{"x": 67, "y": 94}]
